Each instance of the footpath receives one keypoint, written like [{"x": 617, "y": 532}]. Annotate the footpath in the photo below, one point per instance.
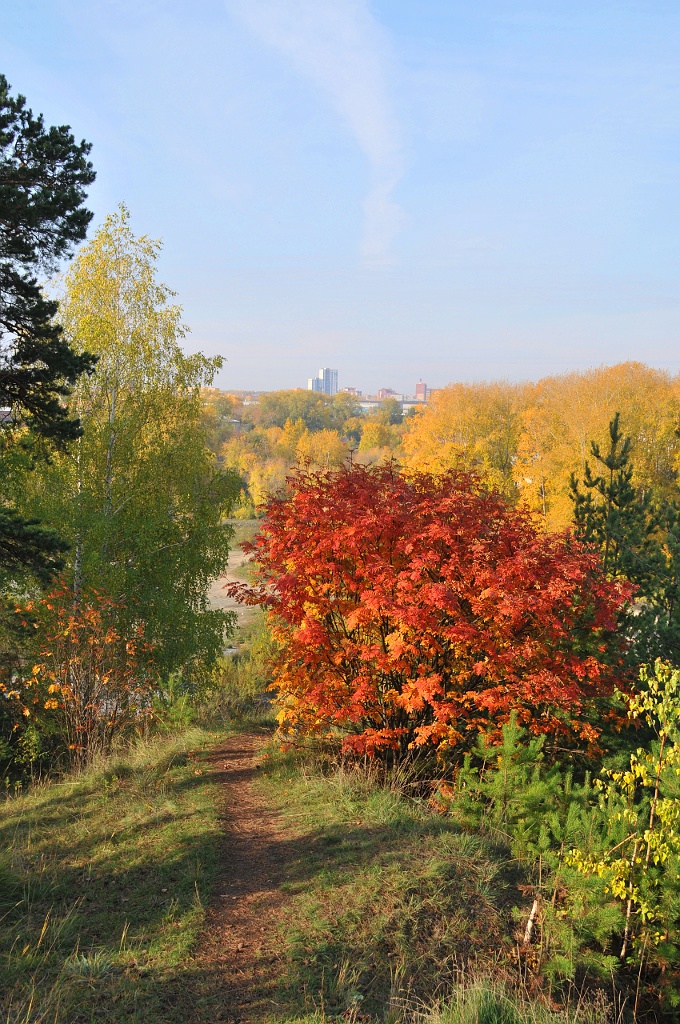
[{"x": 234, "y": 971}]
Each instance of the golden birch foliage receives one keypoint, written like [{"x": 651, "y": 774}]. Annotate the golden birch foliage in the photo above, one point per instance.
[
  {"x": 470, "y": 426},
  {"x": 287, "y": 443},
  {"x": 325, "y": 449},
  {"x": 272, "y": 438},
  {"x": 139, "y": 495},
  {"x": 528, "y": 439},
  {"x": 266, "y": 478},
  {"x": 377, "y": 434},
  {"x": 565, "y": 413},
  {"x": 257, "y": 460}
]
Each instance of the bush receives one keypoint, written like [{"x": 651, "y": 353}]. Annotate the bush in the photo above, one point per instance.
[
  {"x": 88, "y": 685},
  {"x": 415, "y": 612}
]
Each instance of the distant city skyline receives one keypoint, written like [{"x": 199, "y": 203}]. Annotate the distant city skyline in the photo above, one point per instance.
[{"x": 327, "y": 382}]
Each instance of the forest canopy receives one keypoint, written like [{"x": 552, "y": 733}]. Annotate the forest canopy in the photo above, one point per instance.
[{"x": 526, "y": 439}]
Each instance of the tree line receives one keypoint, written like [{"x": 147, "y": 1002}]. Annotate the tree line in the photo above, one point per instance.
[
  {"x": 265, "y": 440},
  {"x": 530, "y": 438},
  {"x": 526, "y": 438}
]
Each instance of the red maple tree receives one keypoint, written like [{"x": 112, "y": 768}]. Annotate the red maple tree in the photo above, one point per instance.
[{"x": 414, "y": 610}]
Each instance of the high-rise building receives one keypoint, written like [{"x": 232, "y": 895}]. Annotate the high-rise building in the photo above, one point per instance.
[
  {"x": 421, "y": 391},
  {"x": 326, "y": 382}
]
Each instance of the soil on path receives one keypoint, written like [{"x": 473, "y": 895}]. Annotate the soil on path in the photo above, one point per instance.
[
  {"x": 234, "y": 574},
  {"x": 235, "y": 969}
]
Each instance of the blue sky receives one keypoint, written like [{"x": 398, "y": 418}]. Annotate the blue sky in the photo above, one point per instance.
[{"x": 401, "y": 189}]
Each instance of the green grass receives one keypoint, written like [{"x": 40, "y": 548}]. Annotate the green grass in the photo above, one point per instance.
[
  {"x": 395, "y": 913},
  {"x": 482, "y": 1001},
  {"x": 102, "y": 884},
  {"x": 238, "y": 693},
  {"x": 389, "y": 901},
  {"x": 244, "y": 529},
  {"x": 487, "y": 1002}
]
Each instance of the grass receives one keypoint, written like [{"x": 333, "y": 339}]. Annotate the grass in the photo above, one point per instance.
[
  {"x": 487, "y": 1002},
  {"x": 482, "y": 1001},
  {"x": 238, "y": 694},
  {"x": 394, "y": 909},
  {"x": 103, "y": 879},
  {"x": 394, "y": 912},
  {"x": 244, "y": 529},
  {"x": 388, "y": 900}
]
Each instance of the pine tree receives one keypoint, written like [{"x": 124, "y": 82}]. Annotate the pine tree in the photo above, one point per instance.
[
  {"x": 656, "y": 626},
  {"x": 614, "y": 515},
  {"x": 639, "y": 538},
  {"x": 43, "y": 177}
]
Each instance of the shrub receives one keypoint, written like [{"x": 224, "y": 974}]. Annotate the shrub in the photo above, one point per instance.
[
  {"x": 413, "y": 612},
  {"x": 88, "y": 686}
]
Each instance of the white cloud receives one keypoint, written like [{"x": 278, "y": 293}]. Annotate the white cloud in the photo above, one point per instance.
[{"x": 339, "y": 45}]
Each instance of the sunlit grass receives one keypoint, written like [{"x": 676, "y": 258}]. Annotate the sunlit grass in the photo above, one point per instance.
[
  {"x": 103, "y": 878},
  {"x": 388, "y": 900},
  {"x": 395, "y": 912}
]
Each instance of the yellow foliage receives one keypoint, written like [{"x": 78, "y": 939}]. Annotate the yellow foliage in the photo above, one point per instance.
[
  {"x": 474, "y": 426},
  {"x": 567, "y": 412},
  {"x": 528, "y": 439},
  {"x": 266, "y": 479},
  {"x": 323, "y": 448},
  {"x": 290, "y": 435},
  {"x": 377, "y": 434},
  {"x": 273, "y": 435}
]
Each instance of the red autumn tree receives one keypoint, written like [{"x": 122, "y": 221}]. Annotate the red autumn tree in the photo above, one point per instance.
[{"x": 420, "y": 610}]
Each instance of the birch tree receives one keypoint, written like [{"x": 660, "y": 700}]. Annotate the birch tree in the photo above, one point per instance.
[{"x": 139, "y": 495}]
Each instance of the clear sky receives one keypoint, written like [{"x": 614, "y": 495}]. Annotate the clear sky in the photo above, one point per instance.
[{"x": 443, "y": 189}]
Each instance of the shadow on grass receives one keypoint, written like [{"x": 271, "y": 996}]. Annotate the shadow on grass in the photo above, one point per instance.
[
  {"x": 101, "y": 883},
  {"x": 379, "y": 903},
  {"x": 374, "y": 900}
]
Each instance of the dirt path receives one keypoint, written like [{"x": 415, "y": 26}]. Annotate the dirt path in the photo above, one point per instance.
[
  {"x": 217, "y": 596},
  {"x": 233, "y": 976}
]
